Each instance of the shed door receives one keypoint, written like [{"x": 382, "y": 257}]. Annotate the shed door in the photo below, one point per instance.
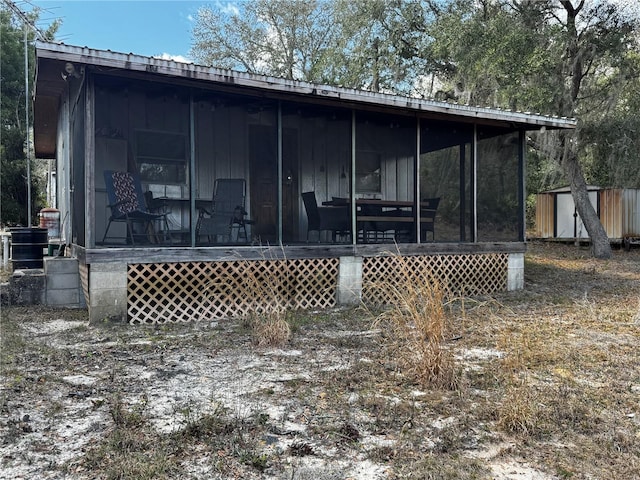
[{"x": 568, "y": 222}]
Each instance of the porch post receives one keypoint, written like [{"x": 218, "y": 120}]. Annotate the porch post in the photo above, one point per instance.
[
  {"x": 515, "y": 272},
  {"x": 474, "y": 185},
  {"x": 279, "y": 154},
  {"x": 522, "y": 234},
  {"x": 107, "y": 292},
  {"x": 463, "y": 193},
  {"x": 89, "y": 162},
  {"x": 416, "y": 180},
  {"x": 192, "y": 172},
  {"x": 352, "y": 180},
  {"x": 349, "y": 291}
]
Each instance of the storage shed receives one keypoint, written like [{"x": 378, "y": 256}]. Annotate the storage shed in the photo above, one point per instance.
[{"x": 618, "y": 210}]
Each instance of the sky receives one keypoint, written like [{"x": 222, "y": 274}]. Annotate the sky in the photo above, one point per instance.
[
  {"x": 153, "y": 28},
  {"x": 144, "y": 27}
]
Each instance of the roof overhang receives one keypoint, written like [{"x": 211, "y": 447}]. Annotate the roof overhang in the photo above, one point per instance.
[
  {"x": 49, "y": 87},
  {"x": 52, "y": 58}
]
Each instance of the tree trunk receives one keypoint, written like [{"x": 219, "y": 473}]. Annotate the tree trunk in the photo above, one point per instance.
[{"x": 600, "y": 245}]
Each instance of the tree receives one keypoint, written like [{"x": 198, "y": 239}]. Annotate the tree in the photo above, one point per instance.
[
  {"x": 285, "y": 38},
  {"x": 13, "y": 133},
  {"x": 352, "y": 43}
]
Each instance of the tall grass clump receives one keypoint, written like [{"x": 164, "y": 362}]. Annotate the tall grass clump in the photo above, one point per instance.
[
  {"x": 266, "y": 284},
  {"x": 520, "y": 411},
  {"x": 413, "y": 325}
]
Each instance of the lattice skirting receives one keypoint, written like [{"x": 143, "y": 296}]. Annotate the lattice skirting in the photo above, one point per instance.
[
  {"x": 183, "y": 292},
  {"x": 465, "y": 274}
]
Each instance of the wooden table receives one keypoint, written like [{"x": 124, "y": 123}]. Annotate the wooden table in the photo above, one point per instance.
[{"x": 378, "y": 216}]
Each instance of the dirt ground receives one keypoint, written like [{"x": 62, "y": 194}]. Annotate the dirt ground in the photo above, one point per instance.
[{"x": 547, "y": 387}]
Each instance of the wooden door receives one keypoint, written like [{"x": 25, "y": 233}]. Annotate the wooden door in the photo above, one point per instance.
[
  {"x": 263, "y": 155},
  {"x": 263, "y": 164},
  {"x": 290, "y": 191}
]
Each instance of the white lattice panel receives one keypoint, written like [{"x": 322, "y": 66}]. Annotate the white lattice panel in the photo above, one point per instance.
[
  {"x": 461, "y": 274},
  {"x": 183, "y": 292}
]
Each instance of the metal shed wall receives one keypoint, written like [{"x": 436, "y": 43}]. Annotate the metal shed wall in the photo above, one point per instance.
[
  {"x": 620, "y": 212},
  {"x": 611, "y": 212},
  {"x": 556, "y": 215},
  {"x": 545, "y": 205},
  {"x": 631, "y": 212}
]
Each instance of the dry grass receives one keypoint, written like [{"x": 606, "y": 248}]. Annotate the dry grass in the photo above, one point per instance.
[
  {"x": 269, "y": 316},
  {"x": 547, "y": 382},
  {"x": 414, "y": 326}
]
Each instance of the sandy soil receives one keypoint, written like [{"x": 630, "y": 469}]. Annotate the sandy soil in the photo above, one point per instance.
[{"x": 63, "y": 379}]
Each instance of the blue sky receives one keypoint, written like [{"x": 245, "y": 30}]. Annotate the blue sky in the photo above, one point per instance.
[{"x": 143, "y": 27}]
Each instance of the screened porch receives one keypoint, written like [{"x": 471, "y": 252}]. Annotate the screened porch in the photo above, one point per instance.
[{"x": 214, "y": 167}]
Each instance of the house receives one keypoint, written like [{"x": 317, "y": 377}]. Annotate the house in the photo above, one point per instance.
[{"x": 384, "y": 176}]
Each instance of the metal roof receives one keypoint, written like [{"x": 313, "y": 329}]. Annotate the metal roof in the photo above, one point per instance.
[{"x": 123, "y": 62}]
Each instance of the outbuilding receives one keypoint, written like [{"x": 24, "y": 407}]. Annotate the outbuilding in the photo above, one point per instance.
[{"x": 617, "y": 208}]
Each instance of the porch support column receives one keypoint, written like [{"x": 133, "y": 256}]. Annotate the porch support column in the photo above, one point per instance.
[
  {"x": 515, "y": 272},
  {"x": 417, "y": 186},
  {"x": 89, "y": 161},
  {"x": 352, "y": 180},
  {"x": 193, "y": 192},
  {"x": 280, "y": 174},
  {"x": 474, "y": 185},
  {"x": 108, "y": 292},
  {"x": 522, "y": 194},
  {"x": 349, "y": 291}
]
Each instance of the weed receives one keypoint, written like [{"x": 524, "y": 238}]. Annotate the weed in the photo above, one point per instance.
[
  {"x": 520, "y": 411},
  {"x": 347, "y": 433},
  {"x": 300, "y": 449},
  {"x": 414, "y": 326},
  {"x": 127, "y": 417},
  {"x": 264, "y": 287},
  {"x": 259, "y": 461},
  {"x": 444, "y": 467}
]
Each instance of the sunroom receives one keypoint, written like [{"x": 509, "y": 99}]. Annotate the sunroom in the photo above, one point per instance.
[{"x": 173, "y": 179}]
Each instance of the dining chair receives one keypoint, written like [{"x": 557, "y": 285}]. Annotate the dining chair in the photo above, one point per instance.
[
  {"x": 127, "y": 205},
  {"x": 336, "y": 220},
  {"x": 428, "y": 210}
]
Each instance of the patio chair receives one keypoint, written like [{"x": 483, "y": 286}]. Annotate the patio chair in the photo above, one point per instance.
[
  {"x": 227, "y": 216},
  {"x": 336, "y": 220},
  {"x": 127, "y": 205},
  {"x": 428, "y": 209}
]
